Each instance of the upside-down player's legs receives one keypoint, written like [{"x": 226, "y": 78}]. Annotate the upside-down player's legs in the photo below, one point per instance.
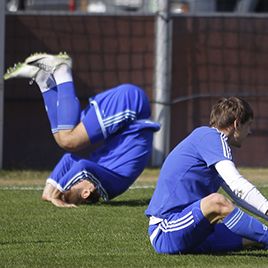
[
  {"x": 52, "y": 73},
  {"x": 68, "y": 105},
  {"x": 62, "y": 105}
]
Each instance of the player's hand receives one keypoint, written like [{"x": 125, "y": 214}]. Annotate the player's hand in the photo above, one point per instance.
[{"x": 60, "y": 203}]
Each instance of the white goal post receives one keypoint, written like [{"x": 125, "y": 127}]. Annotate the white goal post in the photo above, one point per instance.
[
  {"x": 162, "y": 94},
  {"x": 2, "y": 62}
]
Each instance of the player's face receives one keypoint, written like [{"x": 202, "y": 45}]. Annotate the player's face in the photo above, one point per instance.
[{"x": 240, "y": 133}]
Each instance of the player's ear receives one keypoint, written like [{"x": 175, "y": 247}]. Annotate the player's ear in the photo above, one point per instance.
[
  {"x": 236, "y": 124},
  {"x": 85, "y": 193}
]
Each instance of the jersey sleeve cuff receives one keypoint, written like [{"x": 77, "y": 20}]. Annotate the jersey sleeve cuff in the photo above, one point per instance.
[{"x": 55, "y": 184}]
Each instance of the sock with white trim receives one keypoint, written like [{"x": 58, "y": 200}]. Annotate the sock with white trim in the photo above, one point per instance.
[
  {"x": 68, "y": 103},
  {"x": 246, "y": 226},
  {"x": 45, "y": 81},
  {"x": 48, "y": 88},
  {"x": 50, "y": 98},
  {"x": 68, "y": 106},
  {"x": 63, "y": 74}
]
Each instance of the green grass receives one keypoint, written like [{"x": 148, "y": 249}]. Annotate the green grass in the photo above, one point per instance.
[{"x": 36, "y": 234}]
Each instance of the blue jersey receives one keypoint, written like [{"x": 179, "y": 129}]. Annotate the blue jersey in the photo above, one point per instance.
[
  {"x": 188, "y": 173},
  {"x": 114, "y": 109},
  {"x": 126, "y": 153},
  {"x": 119, "y": 118}
]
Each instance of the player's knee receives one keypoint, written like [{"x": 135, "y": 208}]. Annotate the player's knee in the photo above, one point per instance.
[
  {"x": 216, "y": 206},
  {"x": 220, "y": 203}
]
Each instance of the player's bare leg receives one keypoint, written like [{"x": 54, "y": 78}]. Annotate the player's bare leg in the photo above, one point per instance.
[{"x": 217, "y": 208}]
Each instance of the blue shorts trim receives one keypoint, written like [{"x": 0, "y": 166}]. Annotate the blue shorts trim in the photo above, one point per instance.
[
  {"x": 189, "y": 231},
  {"x": 181, "y": 232},
  {"x": 114, "y": 109},
  {"x": 93, "y": 127}
]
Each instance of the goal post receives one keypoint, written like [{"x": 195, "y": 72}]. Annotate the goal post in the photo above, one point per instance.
[
  {"x": 2, "y": 44},
  {"x": 162, "y": 94}
]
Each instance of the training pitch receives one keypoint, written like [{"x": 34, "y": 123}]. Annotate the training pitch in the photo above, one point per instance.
[{"x": 34, "y": 233}]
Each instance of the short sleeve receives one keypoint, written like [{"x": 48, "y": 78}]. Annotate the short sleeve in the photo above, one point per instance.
[{"x": 213, "y": 147}]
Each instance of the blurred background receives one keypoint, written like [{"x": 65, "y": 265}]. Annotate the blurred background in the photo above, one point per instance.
[
  {"x": 185, "y": 54},
  {"x": 176, "y": 6}
]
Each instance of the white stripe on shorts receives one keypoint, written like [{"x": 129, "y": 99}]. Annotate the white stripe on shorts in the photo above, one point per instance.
[
  {"x": 154, "y": 234},
  {"x": 178, "y": 224},
  {"x": 98, "y": 113}
]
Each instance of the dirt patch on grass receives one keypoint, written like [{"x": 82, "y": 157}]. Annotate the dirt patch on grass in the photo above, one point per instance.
[{"x": 23, "y": 177}]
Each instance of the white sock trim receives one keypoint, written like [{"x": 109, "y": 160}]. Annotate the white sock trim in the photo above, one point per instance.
[{"x": 63, "y": 74}]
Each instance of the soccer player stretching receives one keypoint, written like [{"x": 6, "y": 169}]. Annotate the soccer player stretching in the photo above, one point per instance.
[
  {"x": 187, "y": 214},
  {"x": 116, "y": 121}
]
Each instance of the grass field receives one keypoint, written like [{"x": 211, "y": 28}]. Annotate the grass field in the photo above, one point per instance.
[{"x": 36, "y": 234}]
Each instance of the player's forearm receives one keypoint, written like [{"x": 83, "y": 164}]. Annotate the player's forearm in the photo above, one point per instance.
[
  {"x": 53, "y": 195},
  {"x": 51, "y": 192},
  {"x": 241, "y": 187},
  {"x": 243, "y": 203},
  {"x": 254, "y": 197},
  {"x": 47, "y": 192}
]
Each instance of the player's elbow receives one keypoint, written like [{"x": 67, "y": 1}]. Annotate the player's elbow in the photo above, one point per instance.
[{"x": 68, "y": 144}]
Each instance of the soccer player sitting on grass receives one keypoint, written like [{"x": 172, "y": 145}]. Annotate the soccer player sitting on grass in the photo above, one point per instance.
[
  {"x": 187, "y": 214},
  {"x": 117, "y": 120}
]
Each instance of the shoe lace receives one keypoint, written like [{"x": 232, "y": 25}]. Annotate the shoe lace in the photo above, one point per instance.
[{"x": 44, "y": 67}]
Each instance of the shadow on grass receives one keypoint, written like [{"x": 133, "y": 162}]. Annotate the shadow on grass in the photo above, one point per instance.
[
  {"x": 25, "y": 242},
  {"x": 255, "y": 253},
  {"x": 243, "y": 253},
  {"x": 128, "y": 203}
]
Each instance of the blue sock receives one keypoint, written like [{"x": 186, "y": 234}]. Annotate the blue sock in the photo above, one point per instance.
[
  {"x": 68, "y": 106},
  {"x": 246, "y": 226},
  {"x": 50, "y": 98}
]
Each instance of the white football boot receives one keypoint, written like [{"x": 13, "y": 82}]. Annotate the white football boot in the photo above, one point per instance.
[
  {"x": 21, "y": 70},
  {"x": 49, "y": 62},
  {"x": 44, "y": 80}
]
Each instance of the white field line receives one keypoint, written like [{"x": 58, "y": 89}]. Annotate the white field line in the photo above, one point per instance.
[{"x": 39, "y": 188}]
